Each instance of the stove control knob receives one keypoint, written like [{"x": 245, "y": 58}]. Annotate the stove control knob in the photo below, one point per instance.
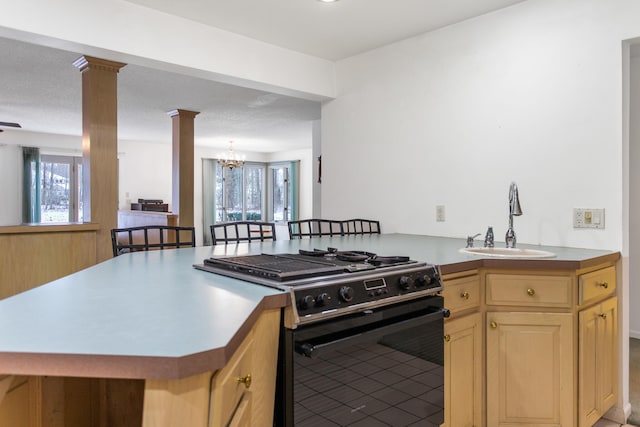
[
  {"x": 322, "y": 299},
  {"x": 424, "y": 280},
  {"x": 405, "y": 282},
  {"x": 346, "y": 293},
  {"x": 306, "y": 302}
]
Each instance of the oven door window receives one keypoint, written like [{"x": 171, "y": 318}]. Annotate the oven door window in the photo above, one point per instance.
[{"x": 386, "y": 376}]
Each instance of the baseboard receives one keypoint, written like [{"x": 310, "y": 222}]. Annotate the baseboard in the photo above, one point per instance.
[{"x": 619, "y": 414}]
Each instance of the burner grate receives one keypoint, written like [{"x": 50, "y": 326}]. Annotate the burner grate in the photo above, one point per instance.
[{"x": 279, "y": 267}]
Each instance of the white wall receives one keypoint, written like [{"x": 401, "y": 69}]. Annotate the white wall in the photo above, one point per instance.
[
  {"x": 530, "y": 94},
  {"x": 144, "y": 171},
  {"x": 10, "y": 190}
]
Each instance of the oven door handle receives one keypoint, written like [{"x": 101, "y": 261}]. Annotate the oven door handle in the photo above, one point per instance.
[{"x": 309, "y": 349}]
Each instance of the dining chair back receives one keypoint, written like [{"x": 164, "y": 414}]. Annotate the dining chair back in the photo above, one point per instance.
[
  {"x": 305, "y": 228},
  {"x": 242, "y": 231},
  {"x": 360, "y": 226},
  {"x": 151, "y": 237}
]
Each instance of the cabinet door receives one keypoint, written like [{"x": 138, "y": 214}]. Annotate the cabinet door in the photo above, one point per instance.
[
  {"x": 242, "y": 415},
  {"x": 15, "y": 409},
  {"x": 530, "y": 378},
  {"x": 463, "y": 371},
  {"x": 597, "y": 361}
]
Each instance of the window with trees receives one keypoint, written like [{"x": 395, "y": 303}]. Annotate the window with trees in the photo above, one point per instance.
[
  {"x": 52, "y": 188},
  {"x": 253, "y": 192}
]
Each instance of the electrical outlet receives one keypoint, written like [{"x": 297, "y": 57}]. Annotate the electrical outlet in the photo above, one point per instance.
[
  {"x": 588, "y": 218},
  {"x": 440, "y": 213}
]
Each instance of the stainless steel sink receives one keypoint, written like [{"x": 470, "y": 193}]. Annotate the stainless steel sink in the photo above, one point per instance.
[{"x": 508, "y": 252}]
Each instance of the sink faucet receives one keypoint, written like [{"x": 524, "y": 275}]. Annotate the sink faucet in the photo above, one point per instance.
[
  {"x": 514, "y": 210},
  {"x": 488, "y": 238},
  {"x": 470, "y": 240}
]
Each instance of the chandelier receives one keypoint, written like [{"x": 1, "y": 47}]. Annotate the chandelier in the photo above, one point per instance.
[{"x": 230, "y": 159}]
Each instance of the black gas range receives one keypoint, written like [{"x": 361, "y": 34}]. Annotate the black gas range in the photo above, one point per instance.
[{"x": 362, "y": 341}]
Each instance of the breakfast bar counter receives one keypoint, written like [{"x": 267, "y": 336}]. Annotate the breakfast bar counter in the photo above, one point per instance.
[
  {"x": 152, "y": 315},
  {"x": 147, "y": 333}
]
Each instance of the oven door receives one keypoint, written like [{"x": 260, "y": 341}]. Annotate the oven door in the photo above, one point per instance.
[{"x": 379, "y": 367}]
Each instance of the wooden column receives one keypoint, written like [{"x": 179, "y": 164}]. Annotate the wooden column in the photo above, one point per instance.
[
  {"x": 100, "y": 148},
  {"x": 182, "y": 171}
]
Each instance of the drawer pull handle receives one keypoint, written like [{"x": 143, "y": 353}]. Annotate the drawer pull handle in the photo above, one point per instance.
[
  {"x": 603, "y": 285},
  {"x": 464, "y": 295},
  {"x": 447, "y": 338},
  {"x": 494, "y": 324},
  {"x": 246, "y": 380},
  {"x": 531, "y": 292},
  {"x": 603, "y": 315}
]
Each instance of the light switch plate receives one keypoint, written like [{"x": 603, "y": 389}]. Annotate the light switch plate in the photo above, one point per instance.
[{"x": 588, "y": 218}]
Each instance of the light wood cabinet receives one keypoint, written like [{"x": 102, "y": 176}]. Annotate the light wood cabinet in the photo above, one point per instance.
[
  {"x": 596, "y": 285},
  {"x": 242, "y": 416},
  {"x": 551, "y": 346},
  {"x": 240, "y": 394},
  {"x": 463, "y": 351},
  {"x": 528, "y": 290},
  {"x": 530, "y": 372},
  {"x": 42, "y": 401},
  {"x": 463, "y": 371},
  {"x": 243, "y": 391},
  {"x": 230, "y": 384},
  {"x": 461, "y": 293},
  {"x": 18, "y": 394},
  {"x": 597, "y": 360},
  {"x": 58, "y": 250}
]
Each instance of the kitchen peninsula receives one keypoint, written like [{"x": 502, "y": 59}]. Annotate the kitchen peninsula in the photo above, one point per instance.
[{"x": 192, "y": 338}]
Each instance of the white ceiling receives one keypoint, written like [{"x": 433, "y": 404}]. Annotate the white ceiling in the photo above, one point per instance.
[
  {"x": 328, "y": 30},
  {"x": 41, "y": 89}
]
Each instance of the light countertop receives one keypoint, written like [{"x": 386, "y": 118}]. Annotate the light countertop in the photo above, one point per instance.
[{"x": 152, "y": 315}]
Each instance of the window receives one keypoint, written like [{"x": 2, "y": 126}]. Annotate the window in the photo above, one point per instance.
[
  {"x": 254, "y": 192},
  {"x": 61, "y": 189},
  {"x": 53, "y": 188},
  {"x": 239, "y": 193},
  {"x": 280, "y": 194}
]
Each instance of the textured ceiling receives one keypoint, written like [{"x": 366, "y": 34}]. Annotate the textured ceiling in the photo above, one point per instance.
[{"x": 41, "y": 89}]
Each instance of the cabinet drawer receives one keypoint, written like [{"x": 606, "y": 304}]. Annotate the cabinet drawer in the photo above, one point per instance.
[
  {"x": 462, "y": 294},
  {"x": 528, "y": 290},
  {"x": 596, "y": 284},
  {"x": 227, "y": 387}
]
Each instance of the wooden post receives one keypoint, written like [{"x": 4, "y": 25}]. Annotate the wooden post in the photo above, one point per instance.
[
  {"x": 182, "y": 161},
  {"x": 100, "y": 148}
]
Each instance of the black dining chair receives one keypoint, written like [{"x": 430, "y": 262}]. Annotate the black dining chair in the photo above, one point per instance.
[
  {"x": 360, "y": 226},
  {"x": 242, "y": 231},
  {"x": 151, "y": 237},
  {"x": 305, "y": 228}
]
